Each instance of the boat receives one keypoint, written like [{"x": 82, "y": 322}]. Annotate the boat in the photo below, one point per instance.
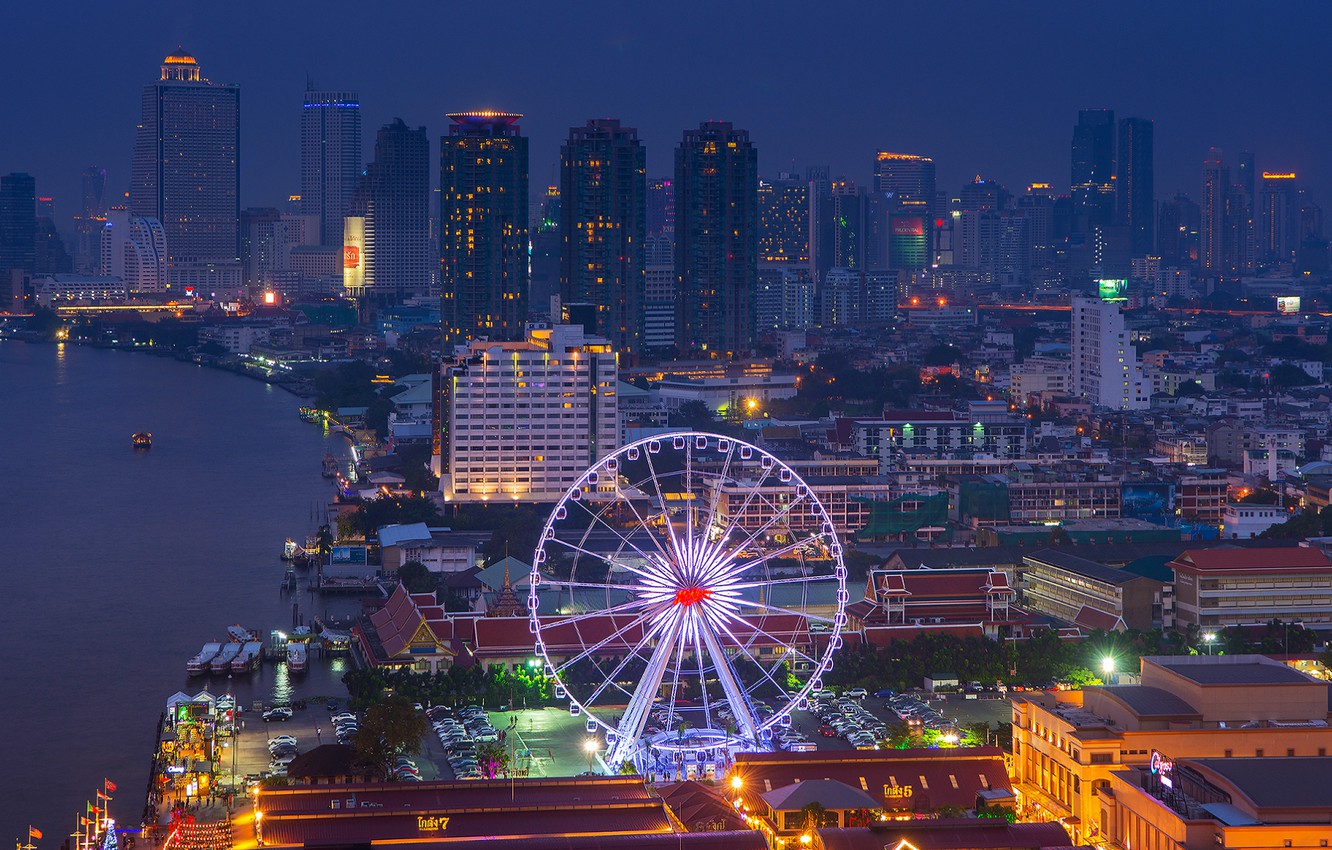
[
  {"x": 248, "y": 657},
  {"x": 198, "y": 665},
  {"x": 330, "y": 466},
  {"x": 297, "y": 657},
  {"x": 222, "y": 662},
  {"x": 142, "y": 440},
  {"x": 240, "y": 634},
  {"x": 308, "y": 414}
]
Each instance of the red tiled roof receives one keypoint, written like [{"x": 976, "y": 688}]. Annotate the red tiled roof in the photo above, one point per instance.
[
  {"x": 1249, "y": 560},
  {"x": 1093, "y": 618},
  {"x": 700, "y": 808},
  {"x": 981, "y": 834}
]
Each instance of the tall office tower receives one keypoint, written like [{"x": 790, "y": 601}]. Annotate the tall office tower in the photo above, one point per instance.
[
  {"x": 1239, "y": 248},
  {"x": 1178, "y": 226},
  {"x": 18, "y": 237},
  {"x": 186, "y": 171},
  {"x": 661, "y": 207},
  {"x": 1106, "y": 368},
  {"x": 259, "y": 248},
  {"x": 1092, "y": 174},
  {"x": 1135, "y": 201},
  {"x": 330, "y": 158},
  {"x": 603, "y": 192},
  {"x": 716, "y": 239},
  {"x": 907, "y": 177},
  {"x": 391, "y": 207},
  {"x": 49, "y": 254},
  {"x": 557, "y": 415},
  {"x": 134, "y": 250},
  {"x": 1212, "y": 229},
  {"x": 483, "y": 227},
  {"x": 547, "y": 254},
  {"x": 783, "y": 208},
  {"x": 902, "y": 209},
  {"x": 837, "y": 230},
  {"x": 88, "y": 223},
  {"x": 1246, "y": 175},
  {"x": 659, "y": 294},
  {"x": 1278, "y": 216}
]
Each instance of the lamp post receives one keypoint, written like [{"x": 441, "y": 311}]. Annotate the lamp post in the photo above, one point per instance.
[
  {"x": 1208, "y": 638},
  {"x": 590, "y": 747},
  {"x": 1108, "y": 669}
]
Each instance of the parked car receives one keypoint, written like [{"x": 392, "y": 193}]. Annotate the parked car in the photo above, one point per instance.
[{"x": 276, "y": 714}]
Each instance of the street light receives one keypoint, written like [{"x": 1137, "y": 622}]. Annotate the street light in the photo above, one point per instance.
[
  {"x": 1107, "y": 669},
  {"x": 737, "y": 783},
  {"x": 1208, "y": 638},
  {"x": 590, "y": 747}
]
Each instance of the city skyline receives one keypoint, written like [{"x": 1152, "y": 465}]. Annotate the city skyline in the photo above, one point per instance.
[{"x": 1006, "y": 119}]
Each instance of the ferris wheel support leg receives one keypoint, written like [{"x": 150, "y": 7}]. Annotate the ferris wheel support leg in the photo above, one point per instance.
[
  {"x": 636, "y": 713},
  {"x": 736, "y": 697}
]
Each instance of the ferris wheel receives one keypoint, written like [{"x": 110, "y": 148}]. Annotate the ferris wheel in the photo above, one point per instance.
[{"x": 688, "y": 580}]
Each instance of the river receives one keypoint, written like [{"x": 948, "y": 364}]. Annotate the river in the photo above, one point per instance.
[{"x": 119, "y": 564}]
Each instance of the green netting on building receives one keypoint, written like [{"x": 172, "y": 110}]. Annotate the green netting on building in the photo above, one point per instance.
[
  {"x": 908, "y": 513},
  {"x": 986, "y": 501}
]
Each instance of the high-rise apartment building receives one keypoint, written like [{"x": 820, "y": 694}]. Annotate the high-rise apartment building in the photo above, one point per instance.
[
  {"x": 1278, "y": 217},
  {"x": 330, "y": 158},
  {"x": 716, "y": 239},
  {"x": 134, "y": 249},
  {"x": 521, "y": 421},
  {"x": 88, "y": 223},
  {"x": 838, "y": 231},
  {"x": 1092, "y": 174},
  {"x": 1106, "y": 368},
  {"x": 1134, "y": 180},
  {"x": 186, "y": 170},
  {"x": 18, "y": 223},
  {"x": 391, "y": 209},
  {"x": 603, "y": 192},
  {"x": 661, "y": 207},
  {"x": 483, "y": 227},
  {"x": 783, "y": 208},
  {"x": 1212, "y": 229},
  {"x": 659, "y": 294}
]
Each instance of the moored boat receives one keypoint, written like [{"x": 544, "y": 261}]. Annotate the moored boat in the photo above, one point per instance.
[
  {"x": 222, "y": 663},
  {"x": 142, "y": 440},
  {"x": 198, "y": 665},
  {"x": 248, "y": 657},
  {"x": 240, "y": 634},
  {"x": 297, "y": 657}
]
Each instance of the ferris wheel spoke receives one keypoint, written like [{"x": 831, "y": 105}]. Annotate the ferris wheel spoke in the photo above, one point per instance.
[
  {"x": 624, "y": 662},
  {"x": 661, "y": 500},
  {"x": 753, "y": 491},
  {"x": 745, "y": 585},
  {"x": 587, "y": 651},
  {"x": 597, "y": 518},
  {"x": 777, "y": 609},
  {"x": 613, "y": 562},
  {"x": 737, "y": 567},
  {"x": 736, "y": 696},
  {"x": 643, "y": 524},
  {"x": 759, "y": 631},
  {"x": 545, "y": 581},
  {"x": 679, "y": 663},
  {"x": 784, "y": 512},
  {"x": 640, "y": 703},
  {"x": 717, "y": 495},
  {"x": 781, "y": 689}
]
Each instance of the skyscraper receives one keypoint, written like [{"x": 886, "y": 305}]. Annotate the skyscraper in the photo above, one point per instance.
[
  {"x": 483, "y": 227},
  {"x": 1211, "y": 233},
  {"x": 1279, "y": 217},
  {"x": 716, "y": 239},
  {"x": 393, "y": 204},
  {"x": 1134, "y": 182},
  {"x": 661, "y": 207},
  {"x": 134, "y": 249},
  {"x": 186, "y": 170},
  {"x": 330, "y": 158},
  {"x": 603, "y": 207},
  {"x": 88, "y": 223},
  {"x": 783, "y": 208},
  {"x": 907, "y": 178},
  {"x": 18, "y": 236},
  {"x": 902, "y": 211},
  {"x": 1092, "y": 174}
]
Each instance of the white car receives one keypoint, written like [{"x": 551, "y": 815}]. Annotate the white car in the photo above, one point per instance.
[
  {"x": 857, "y": 693},
  {"x": 277, "y": 714},
  {"x": 280, "y": 740}
]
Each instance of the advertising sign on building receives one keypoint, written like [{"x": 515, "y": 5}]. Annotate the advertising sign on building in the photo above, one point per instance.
[
  {"x": 908, "y": 242},
  {"x": 1288, "y": 304},
  {"x": 353, "y": 255}
]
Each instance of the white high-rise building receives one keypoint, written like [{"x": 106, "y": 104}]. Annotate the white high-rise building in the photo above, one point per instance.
[
  {"x": 521, "y": 421},
  {"x": 1106, "y": 368},
  {"x": 133, "y": 248}
]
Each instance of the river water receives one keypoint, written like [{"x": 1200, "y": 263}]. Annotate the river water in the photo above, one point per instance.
[{"x": 119, "y": 564}]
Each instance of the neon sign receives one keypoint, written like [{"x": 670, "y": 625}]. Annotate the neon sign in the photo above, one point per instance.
[{"x": 1163, "y": 769}]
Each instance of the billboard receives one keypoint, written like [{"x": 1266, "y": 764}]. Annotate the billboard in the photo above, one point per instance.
[
  {"x": 1288, "y": 304},
  {"x": 1151, "y": 501},
  {"x": 1112, "y": 289},
  {"x": 353, "y": 254},
  {"x": 908, "y": 242}
]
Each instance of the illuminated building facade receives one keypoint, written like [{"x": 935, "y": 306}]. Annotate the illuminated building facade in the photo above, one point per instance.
[
  {"x": 783, "y": 207},
  {"x": 1106, "y": 368},
  {"x": 483, "y": 227},
  {"x": 393, "y": 202},
  {"x": 603, "y": 191},
  {"x": 521, "y": 421},
  {"x": 904, "y": 186},
  {"x": 1211, "y": 233},
  {"x": 659, "y": 294},
  {"x": 186, "y": 169},
  {"x": 1134, "y": 179},
  {"x": 716, "y": 239},
  {"x": 134, "y": 249},
  {"x": 330, "y": 158},
  {"x": 1279, "y": 217}
]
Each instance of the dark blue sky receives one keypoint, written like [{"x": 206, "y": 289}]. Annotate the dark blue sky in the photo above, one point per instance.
[{"x": 985, "y": 87}]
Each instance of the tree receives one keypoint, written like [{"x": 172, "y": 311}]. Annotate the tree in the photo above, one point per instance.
[
  {"x": 696, "y": 416},
  {"x": 898, "y": 737},
  {"x": 1287, "y": 375},
  {"x": 1190, "y": 388},
  {"x": 492, "y": 759},
  {"x": 417, "y": 578},
  {"x": 391, "y": 728},
  {"x": 1261, "y": 497},
  {"x": 815, "y": 816}
]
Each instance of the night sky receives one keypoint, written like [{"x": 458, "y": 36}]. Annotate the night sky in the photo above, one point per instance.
[{"x": 990, "y": 88}]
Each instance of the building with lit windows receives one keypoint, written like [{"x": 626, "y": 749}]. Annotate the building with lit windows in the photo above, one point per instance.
[
  {"x": 330, "y": 158},
  {"x": 521, "y": 421},
  {"x": 391, "y": 206},
  {"x": 783, "y": 208},
  {"x": 1216, "y": 588},
  {"x": 1069, "y": 745},
  {"x": 134, "y": 250},
  {"x": 186, "y": 169},
  {"x": 603, "y": 192},
  {"x": 716, "y": 239},
  {"x": 1106, "y": 369},
  {"x": 659, "y": 294},
  {"x": 483, "y": 227}
]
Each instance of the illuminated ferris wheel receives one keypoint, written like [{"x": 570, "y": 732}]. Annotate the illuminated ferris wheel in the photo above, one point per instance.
[{"x": 688, "y": 580}]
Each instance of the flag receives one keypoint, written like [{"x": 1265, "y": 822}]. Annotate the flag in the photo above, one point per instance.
[
  {"x": 102, "y": 796},
  {"x": 94, "y": 809},
  {"x": 110, "y": 786},
  {"x": 85, "y": 822},
  {"x": 34, "y": 832}
]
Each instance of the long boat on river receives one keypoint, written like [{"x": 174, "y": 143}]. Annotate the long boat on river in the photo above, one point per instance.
[
  {"x": 222, "y": 663},
  {"x": 248, "y": 657},
  {"x": 198, "y": 665}
]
